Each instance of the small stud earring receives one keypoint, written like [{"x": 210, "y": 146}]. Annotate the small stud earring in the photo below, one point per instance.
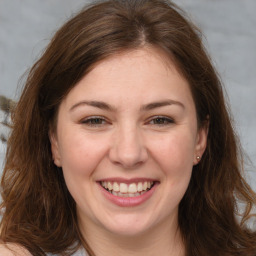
[{"x": 198, "y": 158}]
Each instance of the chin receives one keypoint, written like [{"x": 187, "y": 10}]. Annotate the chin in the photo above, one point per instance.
[{"x": 128, "y": 226}]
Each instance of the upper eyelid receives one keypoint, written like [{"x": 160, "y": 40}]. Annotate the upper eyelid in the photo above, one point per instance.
[
  {"x": 83, "y": 120},
  {"x": 161, "y": 116},
  {"x": 94, "y": 117}
]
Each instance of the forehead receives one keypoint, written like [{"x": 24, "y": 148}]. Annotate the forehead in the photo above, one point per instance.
[
  {"x": 145, "y": 57},
  {"x": 145, "y": 74}
]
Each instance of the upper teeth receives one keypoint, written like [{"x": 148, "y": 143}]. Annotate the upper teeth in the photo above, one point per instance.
[{"x": 127, "y": 188}]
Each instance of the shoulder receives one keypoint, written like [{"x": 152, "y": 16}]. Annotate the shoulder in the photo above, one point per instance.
[{"x": 13, "y": 250}]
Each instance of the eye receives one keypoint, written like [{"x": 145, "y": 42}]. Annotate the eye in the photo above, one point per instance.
[
  {"x": 94, "y": 121},
  {"x": 161, "y": 120}
]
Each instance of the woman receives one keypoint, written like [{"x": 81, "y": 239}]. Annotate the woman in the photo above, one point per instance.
[{"x": 122, "y": 143}]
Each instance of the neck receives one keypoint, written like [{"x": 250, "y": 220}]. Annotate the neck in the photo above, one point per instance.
[{"x": 164, "y": 240}]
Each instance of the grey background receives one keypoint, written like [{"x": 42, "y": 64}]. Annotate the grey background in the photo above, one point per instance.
[{"x": 229, "y": 26}]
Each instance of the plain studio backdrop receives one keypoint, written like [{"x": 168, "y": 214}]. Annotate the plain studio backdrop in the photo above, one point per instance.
[{"x": 26, "y": 26}]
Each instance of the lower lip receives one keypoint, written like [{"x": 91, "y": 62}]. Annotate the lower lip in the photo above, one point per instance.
[{"x": 128, "y": 201}]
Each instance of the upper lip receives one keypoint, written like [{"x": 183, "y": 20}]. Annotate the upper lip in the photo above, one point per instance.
[{"x": 127, "y": 181}]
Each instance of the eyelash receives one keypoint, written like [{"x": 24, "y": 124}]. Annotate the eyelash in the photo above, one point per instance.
[
  {"x": 163, "y": 120},
  {"x": 91, "y": 121},
  {"x": 100, "y": 121}
]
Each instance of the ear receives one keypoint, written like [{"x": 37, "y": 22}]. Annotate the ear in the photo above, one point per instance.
[
  {"x": 55, "y": 148},
  {"x": 201, "y": 142}
]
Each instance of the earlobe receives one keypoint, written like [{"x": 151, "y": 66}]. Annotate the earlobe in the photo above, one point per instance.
[
  {"x": 55, "y": 149},
  {"x": 201, "y": 143}
]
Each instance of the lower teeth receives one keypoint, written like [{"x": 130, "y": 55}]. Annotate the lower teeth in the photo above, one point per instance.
[{"x": 127, "y": 194}]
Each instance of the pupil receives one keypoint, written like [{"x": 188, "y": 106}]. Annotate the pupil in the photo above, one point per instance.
[
  {"x": 159, "y": 120},
  {"x": 96, "y": 121}
]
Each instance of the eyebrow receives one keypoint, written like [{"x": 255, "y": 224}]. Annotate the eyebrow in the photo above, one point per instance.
[
  {"x": 96, "y": 104},
  {"x": 160, "y": 104},
  {"x": 146, "y": 107}
]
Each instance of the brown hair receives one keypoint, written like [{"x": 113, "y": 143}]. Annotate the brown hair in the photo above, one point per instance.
[{"x": 39, "y": 213}]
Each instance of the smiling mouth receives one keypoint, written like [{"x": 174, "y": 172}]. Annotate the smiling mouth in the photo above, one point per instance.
[{"x": 127, "y": 190}]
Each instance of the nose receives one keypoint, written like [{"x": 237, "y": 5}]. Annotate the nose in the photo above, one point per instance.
[{"x": 127, "y": 148}]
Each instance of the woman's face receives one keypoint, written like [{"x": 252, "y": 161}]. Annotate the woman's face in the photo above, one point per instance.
[{"x": 127, "y": 139}]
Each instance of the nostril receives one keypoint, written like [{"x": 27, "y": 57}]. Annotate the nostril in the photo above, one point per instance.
[
  {"x": 128, "y": 158},
  {"x": 127, "y": 147}
]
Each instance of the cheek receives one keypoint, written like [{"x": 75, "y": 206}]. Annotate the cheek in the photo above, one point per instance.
[
  {"x": 80, "y": 155},
  {"x": 174, "y": 156},
  {"x": 175, "y": 153},
  {"x": 176, "y": 148}
]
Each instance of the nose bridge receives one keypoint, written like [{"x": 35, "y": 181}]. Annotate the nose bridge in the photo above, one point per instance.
[{"x": 128, "y": 147}]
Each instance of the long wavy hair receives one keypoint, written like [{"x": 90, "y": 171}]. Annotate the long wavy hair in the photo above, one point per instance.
[{"x": 38, "y": 210}]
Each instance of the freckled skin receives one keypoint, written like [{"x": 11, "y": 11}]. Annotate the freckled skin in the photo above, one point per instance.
[{"x": 128, "y": 143}]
